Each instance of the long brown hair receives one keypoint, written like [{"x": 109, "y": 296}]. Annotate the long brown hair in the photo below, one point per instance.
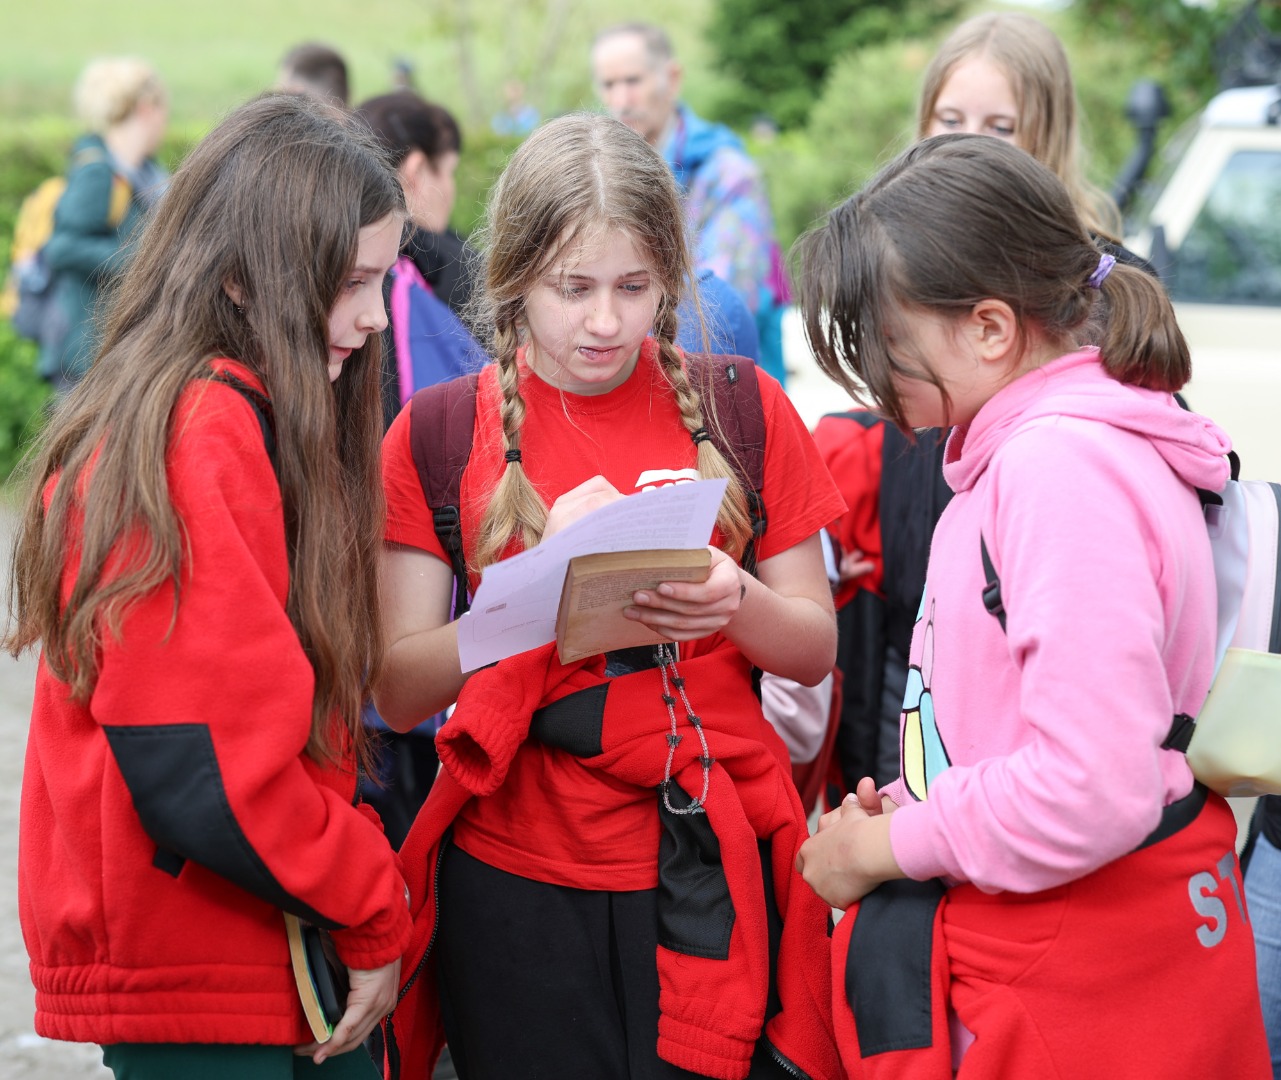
[
  {"x": 954, "y": 220},
  {"x": 269, "y": 205},
  {"x": 574, "y": 179},
  {"x": 1034, "y": 62}
]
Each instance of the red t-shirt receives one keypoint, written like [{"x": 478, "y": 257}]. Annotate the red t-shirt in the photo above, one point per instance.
[
  {"x": 553, "y": 819},
  {"x": 852, "y": 451}
]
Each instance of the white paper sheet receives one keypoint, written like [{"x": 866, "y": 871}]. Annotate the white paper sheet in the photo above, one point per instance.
[{"x": 514, "y": 608}]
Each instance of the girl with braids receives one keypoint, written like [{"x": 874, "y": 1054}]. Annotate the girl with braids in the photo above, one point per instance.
[
  {"x": 593, "y": 919},
  {"x": 1045, "y": 843},
  {"x": 198, "y": 559}
]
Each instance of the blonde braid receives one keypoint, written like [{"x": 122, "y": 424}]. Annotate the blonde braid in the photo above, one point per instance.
[
  {"x": 734, "y": 520},
  {"x": 515, "y": 507}
]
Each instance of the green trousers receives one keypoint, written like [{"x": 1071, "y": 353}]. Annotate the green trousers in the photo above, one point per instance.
[{"x": 221, "y": 1061}]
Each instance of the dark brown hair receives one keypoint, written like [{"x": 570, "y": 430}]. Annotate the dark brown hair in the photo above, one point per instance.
[
  {"x": 954, "y": 220},
  {"x": 270, "y": 204},
  {"x": 318, "y": 67},
  {"x": 403, "y": 121},
  {"x": 574, "y": 180}
]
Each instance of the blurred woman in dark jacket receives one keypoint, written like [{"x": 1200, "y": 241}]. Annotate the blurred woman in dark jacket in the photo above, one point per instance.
[
  {"x": 113, "y": 179},
  {"x": 423, "y": 141}
]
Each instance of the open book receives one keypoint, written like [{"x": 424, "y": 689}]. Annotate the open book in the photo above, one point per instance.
[
  {"x": 320, "y": 975},
  {"x": 598, "y": 587}
]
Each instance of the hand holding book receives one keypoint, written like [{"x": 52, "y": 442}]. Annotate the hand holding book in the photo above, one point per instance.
[
  {"x": 599, "y": 588},
  {"x": 341, "y": 1014}
]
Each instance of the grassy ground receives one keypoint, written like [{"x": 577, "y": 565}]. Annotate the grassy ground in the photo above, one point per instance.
[{"x": 215, "y": 55}]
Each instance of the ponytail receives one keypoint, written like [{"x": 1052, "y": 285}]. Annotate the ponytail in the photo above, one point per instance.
[{"x": 1141, "y": 342}]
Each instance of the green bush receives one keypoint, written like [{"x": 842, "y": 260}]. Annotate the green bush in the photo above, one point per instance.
[
  {"x": 22, "y": 397},
  {"x": 863, "y": 116},
  {"x": 483, "y": 157}
]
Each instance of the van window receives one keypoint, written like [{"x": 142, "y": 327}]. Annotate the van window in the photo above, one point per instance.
[{"x": 1232, "y": 252}]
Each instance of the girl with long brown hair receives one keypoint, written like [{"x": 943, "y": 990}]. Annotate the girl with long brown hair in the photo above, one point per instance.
[
  {"x": 614, "y": 898},
  {"x": 197, "y": 560}
]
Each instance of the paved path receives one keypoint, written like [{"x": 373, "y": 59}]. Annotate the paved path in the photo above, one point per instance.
[{"x": 23, "y": 1054}]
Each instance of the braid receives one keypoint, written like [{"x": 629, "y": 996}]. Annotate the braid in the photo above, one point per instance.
[
  {"x": 733, "y": 518},
  {"x": 515, "y": 507}
]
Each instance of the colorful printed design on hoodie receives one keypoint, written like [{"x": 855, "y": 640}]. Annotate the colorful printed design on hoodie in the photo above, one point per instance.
[
  {"x": 924, "y": 755},
  {"x": 726, "y": 206}
]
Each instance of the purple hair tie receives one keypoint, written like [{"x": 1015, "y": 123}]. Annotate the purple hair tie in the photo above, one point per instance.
[{"x": 1106, "y": 262}]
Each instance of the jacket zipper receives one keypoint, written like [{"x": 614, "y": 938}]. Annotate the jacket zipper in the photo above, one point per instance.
[
  {"x": 791, "y": 1068},
  {"x": 388, "y": 1028}
]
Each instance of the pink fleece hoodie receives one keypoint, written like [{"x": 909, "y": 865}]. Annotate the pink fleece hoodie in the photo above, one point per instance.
[{"x": 1032, "y": 757}]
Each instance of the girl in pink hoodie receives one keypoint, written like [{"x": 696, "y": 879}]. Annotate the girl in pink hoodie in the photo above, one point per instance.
[{"x": 1068, "y": 885}]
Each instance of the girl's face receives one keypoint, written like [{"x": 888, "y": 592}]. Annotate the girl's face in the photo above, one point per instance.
[
  {"x": 359, "y": 311},
  {"x": 953, "y": 348},
  {"x": 154, "y": 114},
  {"x": 430, "y": 189},
  {"x": 589, "y": 313},
  {"x": 977, "y": 99}
]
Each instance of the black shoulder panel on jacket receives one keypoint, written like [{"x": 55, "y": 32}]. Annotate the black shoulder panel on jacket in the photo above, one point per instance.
[
  {"x": 889, "y": 966},
  {"x": 695, "y": 909},
  {"x": 172, "y": 774}
]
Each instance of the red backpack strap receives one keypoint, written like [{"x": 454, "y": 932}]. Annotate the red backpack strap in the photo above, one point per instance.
[
  {"x": 739, "y": 431},
  {"x": 441, "y": 420}
]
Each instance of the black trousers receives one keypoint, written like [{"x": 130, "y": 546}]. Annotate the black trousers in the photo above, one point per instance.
[{"x": 542, "y": 981}]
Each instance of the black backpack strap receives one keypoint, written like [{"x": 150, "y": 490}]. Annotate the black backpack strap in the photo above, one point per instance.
[
  {"x": 862, "y": 417},
  {"x": 739, "y": 431},
  {"x": 1180, "y": 734},
  {"x": 261, "y": 405},
  {"x": 441, "y": 422},
  {"x": 1182, "y": 726},
  {"x": 991, "y": 585}
]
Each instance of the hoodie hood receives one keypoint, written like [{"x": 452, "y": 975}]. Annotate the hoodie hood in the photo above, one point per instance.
[
  {"x": 1076, "y": 385},
  {"x": 693, "y": 141}
]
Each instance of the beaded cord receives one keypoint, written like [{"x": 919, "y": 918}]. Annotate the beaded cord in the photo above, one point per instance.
[{"x": 672, "y": 680}]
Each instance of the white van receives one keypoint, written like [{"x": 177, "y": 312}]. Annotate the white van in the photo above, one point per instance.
[{"x": 1214, "y": 231}]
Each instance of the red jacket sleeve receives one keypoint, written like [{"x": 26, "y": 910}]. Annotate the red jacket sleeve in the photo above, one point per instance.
[{"x": 852, "y": 452}]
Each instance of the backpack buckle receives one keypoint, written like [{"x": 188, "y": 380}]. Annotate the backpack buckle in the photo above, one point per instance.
[{"x": 1182, "y": 729}]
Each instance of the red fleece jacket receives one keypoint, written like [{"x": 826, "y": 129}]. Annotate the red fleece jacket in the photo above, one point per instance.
[
  {"x": 1144, "y": 968},
  {"x": 168, "y": 820},
  {"x": 712, "y": 1011}
]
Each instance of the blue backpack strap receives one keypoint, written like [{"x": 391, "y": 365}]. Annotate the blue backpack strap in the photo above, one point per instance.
[{"x": 441, "y": 422}]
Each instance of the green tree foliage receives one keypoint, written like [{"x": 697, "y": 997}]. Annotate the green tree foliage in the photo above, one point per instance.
[
  {"x": 1178, "y": 41},
  {"x": 778, "y": 55},
  {"x": 863, "y": 117}
]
